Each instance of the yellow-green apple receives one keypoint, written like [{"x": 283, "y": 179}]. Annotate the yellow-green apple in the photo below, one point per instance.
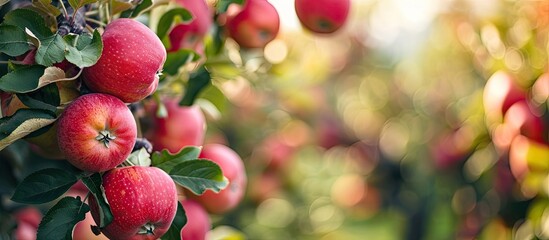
[
  {"x": 132, "y": 58},
  {"x": 322, "y": 16},
  {"x": 500, "y": 92},
  {"x": 183, "y": 126},
  {"x": 255, "y": 25},
  {"x": 233, "y": 169},
  {"x": 198, "y": 221},
  {"x": 190, "y": 35},
  {"x": 143, "y": 202},
  {"x": 96, "y": 132}
]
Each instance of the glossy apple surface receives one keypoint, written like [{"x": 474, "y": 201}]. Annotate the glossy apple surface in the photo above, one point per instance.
[
  {"x": 96, "y": 132},
  {"x": 129, "y": 65},
  {"x": 255, "y": 25},
  {"x": 322, "y": 16},
  {"x": 143, "y": 201},
  {"x": 183, "y": 126},
  {"x": 233, "y": 169}
]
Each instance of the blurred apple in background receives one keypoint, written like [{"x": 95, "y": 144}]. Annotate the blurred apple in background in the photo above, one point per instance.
[
  {"x": 191, "y": 35},
  {"x": 322, "y": 16},
  {"x": 500, "y": 93},
  {"x": 182, "y": 126},
  {"x": 233, "y": 169},
  {"x": 198, "y": 221},
  {"x": 28, "y": 219},
  {"x": 527, "y": 155},
  {"x": 255, "y": 25}
]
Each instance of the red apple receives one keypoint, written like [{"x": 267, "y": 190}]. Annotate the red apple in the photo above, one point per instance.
[
  {"x": 96, "y": 132},
  {"x": 183, "y": 126},
  {"x": 500, "y": 92},
  {"x": 322, "y": 16},
  {"x": 233, "y": 169},
  {"x": 83, "y": 230},
  {"x": 143, "y": 201},
  {"x": 190, "y": 35},
  {"x": 130, "y": 63},
  {"x": 255, "y": 25},
  {"x": 27, "y": 219},
  {"x": 520, "y": 119},
  {"x": 452, "y": 148},
  {"x": 198, "y": 221}
]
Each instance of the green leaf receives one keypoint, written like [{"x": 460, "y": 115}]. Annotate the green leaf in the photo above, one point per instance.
[
  {"x": 176, "y": 60},
  {"x": 215, "y": 41},
  {"x": 93, "y": 183},
  {"x": 22, "y": 123},
  {"x": 84, "y": 50},
  {"x": 170, "y": 18},
  {"x": 197, "y": 82},
  {"x": 174, "y": 232},
  {"x": 44, "y": 186},
  {"x": 166, "y": 161},
  {"x": 140, "y": 158},
  {"x": 13, "y": 41},
  {"x": 223, "y": 5},
  {"x": 59, "y": 221},
  {"x": 46, "y": 7},
  {"x": 77, "y": 4},
  {"x": 215, "y": 96},
  {"x": 137, "y": 10},
  {"x": 199, "y": 175},
  {"x": 51, "y": 50},
  {"x": 24, "y": 18},
  {"x": 46, "y": 98},
  {"x": 22, "y": 79}
]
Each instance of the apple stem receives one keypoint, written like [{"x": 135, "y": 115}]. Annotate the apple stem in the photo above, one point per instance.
[
  {"x": 105, "y": 137},
  {"x": 147, "y": 229}
]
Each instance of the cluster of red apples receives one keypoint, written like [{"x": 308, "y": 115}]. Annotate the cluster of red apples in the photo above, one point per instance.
[{"x": 97, "y": 131}]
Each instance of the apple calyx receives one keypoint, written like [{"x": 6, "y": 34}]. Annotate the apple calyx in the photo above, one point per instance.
[
  {"x": 148, "y": 228},
  {"x": 105, "y": 137}
]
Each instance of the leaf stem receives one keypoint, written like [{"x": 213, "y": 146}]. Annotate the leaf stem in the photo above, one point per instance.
[
  {"x": 64, "y": 9},
  {"x": 102, "y": 24}
]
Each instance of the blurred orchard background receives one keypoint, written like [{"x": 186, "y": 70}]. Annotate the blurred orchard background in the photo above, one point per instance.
[{"x": 380, "y": 131}]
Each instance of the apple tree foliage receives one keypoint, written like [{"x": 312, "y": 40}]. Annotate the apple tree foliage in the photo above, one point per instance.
[{"x": 57, "y": 32}]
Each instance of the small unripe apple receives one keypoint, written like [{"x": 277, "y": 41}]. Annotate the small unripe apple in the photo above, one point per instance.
[
  {"x": 255, "y": 25},
  {"x": 96, "y": 132},
  {"x": 322, "y": 16},
  {"x": 132, "y": 58},
  {"x": 143, "y": 202},
  {"x": 183, "y": 126},
  {"x": 233, "y": 169},
  {"x": 190, "y": 35},
  {"x": 198, "y": 221}
]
